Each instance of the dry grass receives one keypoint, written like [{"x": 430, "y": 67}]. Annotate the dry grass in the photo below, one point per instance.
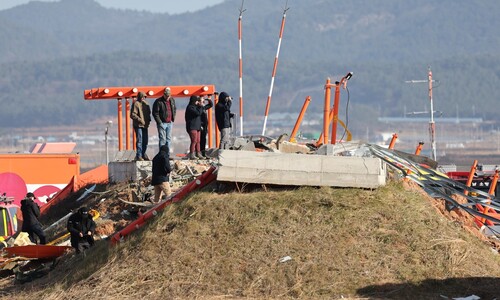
[{"x": 384, "y": 244}]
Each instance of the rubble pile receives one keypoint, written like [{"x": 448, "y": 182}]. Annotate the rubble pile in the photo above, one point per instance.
[{"x": 113, "y": 207}]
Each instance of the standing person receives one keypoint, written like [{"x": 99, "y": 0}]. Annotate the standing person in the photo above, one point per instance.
[
  {"x": 82, "y": 228},
  {"x": 141, "y": 117},
  {"x": 161, "y": 172},
  {"x": 204, "y": 124},
  {"x": 223, "y": 117},
  {"x": 31, "y": 224},
  {"x": 164, "y": 114},
  {"x": 194, "y": 110}
]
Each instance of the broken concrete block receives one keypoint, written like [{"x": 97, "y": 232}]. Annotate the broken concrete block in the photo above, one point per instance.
[
  {"x": 287, "y": 147},
  {"x": 128, "y": 171},
  {"x": 243, "y": 144}
]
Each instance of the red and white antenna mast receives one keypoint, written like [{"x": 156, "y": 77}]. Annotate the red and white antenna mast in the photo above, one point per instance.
[
  {"x": 241, "y": 68},
  {"x": 274, "y": 69}
]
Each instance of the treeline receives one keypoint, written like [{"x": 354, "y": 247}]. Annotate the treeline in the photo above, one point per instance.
[
  {"x": 350, "y": 31},
  {"x": 55, "y": 50},
  {"x": 54, "y": 94}
]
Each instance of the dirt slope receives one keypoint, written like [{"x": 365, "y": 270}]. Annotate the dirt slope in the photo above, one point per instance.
[{"x": 389, "y": 243}]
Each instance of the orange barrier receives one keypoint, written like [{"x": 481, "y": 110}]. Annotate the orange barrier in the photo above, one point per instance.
[{"x": 198, "y": 183}]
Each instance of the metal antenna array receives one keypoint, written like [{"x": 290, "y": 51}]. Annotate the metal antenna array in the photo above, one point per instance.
[{"x": 432, "y": 125}]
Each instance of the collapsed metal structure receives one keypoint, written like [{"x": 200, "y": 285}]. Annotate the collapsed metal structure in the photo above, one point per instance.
[{"x": 484, "y": 207}]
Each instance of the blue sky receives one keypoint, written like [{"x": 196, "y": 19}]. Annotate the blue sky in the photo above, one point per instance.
[{"x": 161, "y": 6}]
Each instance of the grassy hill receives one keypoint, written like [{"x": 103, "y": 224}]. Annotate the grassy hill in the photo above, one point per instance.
[{"x": 389, "y": 243}]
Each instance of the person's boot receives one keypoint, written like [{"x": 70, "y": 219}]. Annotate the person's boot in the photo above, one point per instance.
[
  {"x": 191, "y": 156},
  {"x": 199, "y": 155}
]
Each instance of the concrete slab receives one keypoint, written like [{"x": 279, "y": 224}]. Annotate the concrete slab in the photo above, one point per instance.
[
  {"x": 120, "y": 171},
  {"x": 301, "y": 169},
  {"x": 124, "y": 155}
]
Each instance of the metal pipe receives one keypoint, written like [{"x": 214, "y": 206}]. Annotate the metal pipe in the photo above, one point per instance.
[
  {"x": 493, "y": 186},
  {"x": 217, "y": 133},
  {"x": 120, "y": 124},
  {"x": 471, "y": 176},
  {"x": 299, "y": 119},
  {"x": 432, "y": 125},
  {"x": 393, "y": 141},
  {"x": 335, "y": 120},
  {"x": 210, "y": 128},
  {"x": 419, "y": 148},
  {"x": 326, "y": 111},
  {"x": 127, "y": 124}
]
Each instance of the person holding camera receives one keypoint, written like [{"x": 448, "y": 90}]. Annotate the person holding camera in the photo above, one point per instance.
[
  {"x": 31, "y": 213},
  {"x": 223, "y": 117},
  {"x": 204, "y": 123},
  {"x": 194, "y": 110}
]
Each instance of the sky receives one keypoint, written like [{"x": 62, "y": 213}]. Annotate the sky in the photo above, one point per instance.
[{"x": 157, "y": 6}]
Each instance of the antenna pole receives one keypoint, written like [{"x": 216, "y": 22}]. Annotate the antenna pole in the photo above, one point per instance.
[
  {"x": 241, "y": 67},
  {"x": 432, "y": 125},
  {"x": 274, "y": 69}
]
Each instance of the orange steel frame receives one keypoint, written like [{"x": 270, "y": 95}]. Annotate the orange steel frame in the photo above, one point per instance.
[
  {"x": 119, "y": 93},
  {"x": 217, "y": 133},
  {"x": 393, "y": 141},
  {"x": 493, "y": 187},
  {"x": 419, "y": 148},
  {"x": 326, "y": 111},
  {"x": 299, "y": 119},
  {"x": 331, "y": 115}
]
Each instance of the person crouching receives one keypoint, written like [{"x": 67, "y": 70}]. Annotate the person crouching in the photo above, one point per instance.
[{"x": 82, "y": 229}]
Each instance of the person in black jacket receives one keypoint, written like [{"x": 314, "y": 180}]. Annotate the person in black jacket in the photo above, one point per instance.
[
  {"x": 204, "y": 124},
  {"x": 194, "y": 110},
  {"x": 31, "y": 224},
  {"x": 223, "y": 117},
  {"x": 161, "y": 172},
  {"x": 164, "y": 111},
  {"x": 82, "y": 228}
]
